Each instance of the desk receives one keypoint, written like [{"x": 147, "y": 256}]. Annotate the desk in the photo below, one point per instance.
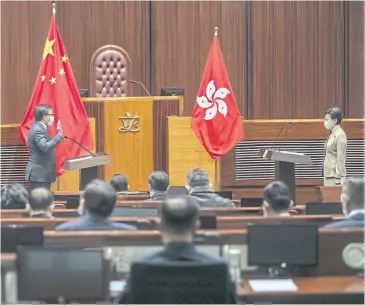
[{"x": 311, "y": 290}]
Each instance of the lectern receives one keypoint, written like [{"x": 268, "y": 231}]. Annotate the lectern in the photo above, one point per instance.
[
  {"x": 285, "y": 165},
  {"x": 88, "y": 166}
]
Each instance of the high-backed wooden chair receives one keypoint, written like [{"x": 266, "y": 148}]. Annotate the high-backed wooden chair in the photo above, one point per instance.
[{"x": 108, "y": 72}]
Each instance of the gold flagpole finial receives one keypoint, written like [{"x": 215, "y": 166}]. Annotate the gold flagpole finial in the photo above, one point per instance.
[
  {"x": 216, "y": 31},
  {"x": 54, "y": 7}
]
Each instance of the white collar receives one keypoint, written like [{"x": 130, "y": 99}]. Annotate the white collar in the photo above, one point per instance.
[
  {"x": 354, "y": 212},
  {"x": 43, "y": 125}
]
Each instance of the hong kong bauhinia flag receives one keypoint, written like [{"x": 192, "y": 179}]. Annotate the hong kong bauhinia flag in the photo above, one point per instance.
[
  {"x": 216, "y": 119},
  {"x": 56, "y": 86}
]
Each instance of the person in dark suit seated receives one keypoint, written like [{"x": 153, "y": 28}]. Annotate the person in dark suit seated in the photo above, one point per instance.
[
  {"x": 352, "y": 199},
  {"x": 120, "y": 184},
  {"x": 198, "y": 185},
  {"x": 14, "y": 196},
  {"x": 158, "y": 183},
  {"x": 179, "y": 221},
  {"x": 41, "y": 202},
  {"x": 276, "y": 199},
  {"x": 41, "y": 168},
  {"x": 97, "y": 204}
]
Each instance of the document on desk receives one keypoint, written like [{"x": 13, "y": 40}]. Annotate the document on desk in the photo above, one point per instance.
[{"x": 273, "y": 285}]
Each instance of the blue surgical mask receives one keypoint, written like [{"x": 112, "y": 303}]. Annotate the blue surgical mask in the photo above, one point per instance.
[{"x": 51, "y": 121}]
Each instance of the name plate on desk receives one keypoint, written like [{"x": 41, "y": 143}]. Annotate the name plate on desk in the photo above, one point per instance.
[{"x": 273, "y": 285}]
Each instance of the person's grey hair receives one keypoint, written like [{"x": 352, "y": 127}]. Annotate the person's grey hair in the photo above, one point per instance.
[
  {"x": 41, "y": 110},
  {"x": 14, "y": 196},
  {"x": 40, "y": 199},
  {"x": 355, "y": 191},
  {"x": 335, "y": 114},
  {"x": 197, "y": 177},
  {"x": 159, "y": 181}
]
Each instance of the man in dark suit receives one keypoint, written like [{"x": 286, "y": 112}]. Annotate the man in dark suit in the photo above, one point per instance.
[
  {"x": 198, "y": 185},
  {"x": 120, "y": 184},
  {"x": 40, "y": 202},
  {"x": 41, "y": 168},
  {"x": 352, "y": 199},
  {"x": 158, "y": 183},
  {"x": 179, "y": 221},
  {"x": 97, "y": 204}
]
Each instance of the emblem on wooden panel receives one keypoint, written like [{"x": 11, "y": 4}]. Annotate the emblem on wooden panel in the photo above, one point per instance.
[{"x": 129, "y": 123}]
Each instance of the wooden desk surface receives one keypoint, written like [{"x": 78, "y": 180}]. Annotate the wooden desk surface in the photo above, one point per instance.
[{"x": 315, "y": 285}]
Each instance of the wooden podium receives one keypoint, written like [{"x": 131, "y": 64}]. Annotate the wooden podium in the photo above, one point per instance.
[
  {"x": 285, "y": 165},
  {"x": 88, "y": 166},
  {"x": 132, "y": 131}
]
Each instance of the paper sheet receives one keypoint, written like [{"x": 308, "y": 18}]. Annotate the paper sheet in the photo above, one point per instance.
[{"x": 273, "y": 285}]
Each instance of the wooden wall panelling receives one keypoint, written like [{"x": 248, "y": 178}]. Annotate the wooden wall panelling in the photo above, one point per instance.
[
  {"x": 355, "y": 58},
  {"x": 298, "y": 58},
  {"x": 161, "y": 110},
  {"x": 182, "y": 33},
  {"x": 15, "y": 60}
]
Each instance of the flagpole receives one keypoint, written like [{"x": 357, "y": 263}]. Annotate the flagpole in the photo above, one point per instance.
[
  {"x": 216, "y": 186},
  {"x": 54, "y": 7}
]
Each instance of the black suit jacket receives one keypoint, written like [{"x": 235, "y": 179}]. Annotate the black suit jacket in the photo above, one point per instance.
[
  {"x": 355, "y": 221},
  {"x": 176, "y": 252},
  {"x": 91, "y": 222},
  {"x": 42, "y": 156}
]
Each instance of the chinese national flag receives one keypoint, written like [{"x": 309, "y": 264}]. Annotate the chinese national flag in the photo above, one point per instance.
[
  {"x": 216, "y": 119},
  {"x": 56, "y": 86}
]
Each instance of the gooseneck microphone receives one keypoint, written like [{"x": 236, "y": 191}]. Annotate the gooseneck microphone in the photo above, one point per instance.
[
  {"x": 80, "y": 145},
  {"x": 282, "y": 140},
  {"x": 141, "y": 84},
  {"x": 277, "y": 137}
]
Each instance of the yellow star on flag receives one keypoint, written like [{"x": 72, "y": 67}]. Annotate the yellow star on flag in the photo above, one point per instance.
[
  {"x": 53, "y": 80},
  {"x": 64, "y": 58},
  {"x": 62, "y": 71},
  {"x": 48, "y": 48},
  {"x": 43, "y": 77}
]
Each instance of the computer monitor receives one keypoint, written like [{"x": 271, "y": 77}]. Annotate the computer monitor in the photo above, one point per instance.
[
  {"x": 68, "y": 275},
  {"x": 84, "y": 92},
  {"x": 251, "y": 202},
  {"x": 323, "y": 208},
  {"x": 177, "y": 191},
  {"x": 225, "y": 194},
  {"x": 282, "y": 245},
  {"x": 121, "y": 211},
  {"x": 14, "y": 236},
  {"x": 172, "y": 91},
  {"x": 208, "y": 222}
]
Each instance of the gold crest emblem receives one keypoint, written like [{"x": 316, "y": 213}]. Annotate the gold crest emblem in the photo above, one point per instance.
[{"x": 129, "y": 123}]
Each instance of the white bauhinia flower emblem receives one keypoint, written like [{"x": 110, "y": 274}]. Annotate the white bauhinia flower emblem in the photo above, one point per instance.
[{"x": 214, "y": 102}]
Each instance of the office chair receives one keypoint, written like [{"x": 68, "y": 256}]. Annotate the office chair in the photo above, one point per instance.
[{"x": 179, "y": 283}]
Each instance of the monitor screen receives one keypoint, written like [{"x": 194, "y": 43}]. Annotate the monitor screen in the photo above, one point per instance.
[
  {"x": 120, "y": 211},
  {"x": 11, "y": 237},
  {"x": 321, "y": 208},
  {"x": 48, "y": 274},
  {"x": 225, "y": 194},
  {"x": 177, "y": 190},
  {"x": 172, "y": 91},
  {"x": 273, "y": 245}
]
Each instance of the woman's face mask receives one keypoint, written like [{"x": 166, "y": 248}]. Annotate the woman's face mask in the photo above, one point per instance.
[{"x": 328, "y": 122}]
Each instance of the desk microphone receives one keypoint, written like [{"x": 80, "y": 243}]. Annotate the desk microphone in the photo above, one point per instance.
[
  {"x": 137, "y": 82},
  {"x": 80, "y": 145},
  {"x": 277, "y": 137},
  {"x": 290, "y": 125}
]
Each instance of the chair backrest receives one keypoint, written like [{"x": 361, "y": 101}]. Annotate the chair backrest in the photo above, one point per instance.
[
  {"x": 323, "y": 208},
  {"x": 177, "y": 190},
  {"x": 108, "y": 72},
  {"x": 179, "y": 283}
]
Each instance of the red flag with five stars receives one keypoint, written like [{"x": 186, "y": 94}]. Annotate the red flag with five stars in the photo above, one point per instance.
[{"x": 57, "y": 87}]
